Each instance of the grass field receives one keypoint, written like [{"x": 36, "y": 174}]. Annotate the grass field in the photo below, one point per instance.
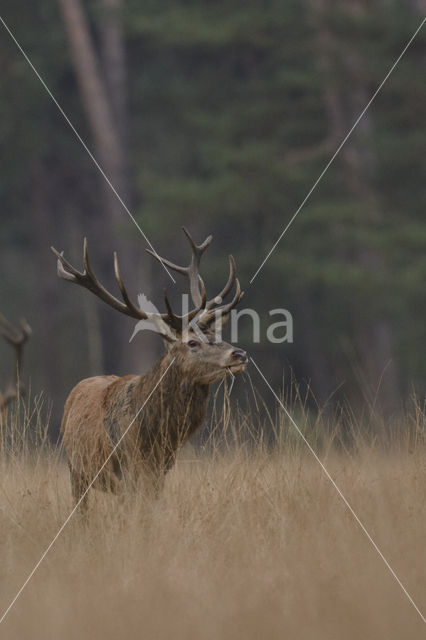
[{"x": 243, "y": 543}]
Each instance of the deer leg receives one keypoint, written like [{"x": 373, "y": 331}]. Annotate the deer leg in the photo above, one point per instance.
[
  {"x": 79, "y": 485},
  {"x": 158, "y": 485},
  {"x": 157, "y": 474},
  {"x": 153, "y": 481}
]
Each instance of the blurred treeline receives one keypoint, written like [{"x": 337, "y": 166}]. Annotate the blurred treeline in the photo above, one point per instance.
[{"x": 220, "y": 116}]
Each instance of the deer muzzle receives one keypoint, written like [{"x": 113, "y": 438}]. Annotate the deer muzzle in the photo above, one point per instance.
[{"x": 238, "y": 361}]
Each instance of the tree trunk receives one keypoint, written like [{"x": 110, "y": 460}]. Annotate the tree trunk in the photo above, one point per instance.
[
  {"x": 106, "y": 116},
  {"x": 113, "y": 59},
  {"x": 114, "y": 62},
  {"x": 95, "y": 99}
]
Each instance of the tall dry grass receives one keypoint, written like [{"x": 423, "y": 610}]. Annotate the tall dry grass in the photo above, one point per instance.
[{"x": 247, "y": 540}]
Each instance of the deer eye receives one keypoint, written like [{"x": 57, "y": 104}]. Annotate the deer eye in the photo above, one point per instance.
[{"x": 193, "y": 343}]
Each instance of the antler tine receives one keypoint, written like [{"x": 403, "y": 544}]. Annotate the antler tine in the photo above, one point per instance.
[
  {"x": 168, "y": 263},
  {"x": 176, "y": 321},
  {"x": 87, "y": 269},
  {"x": 203, "y": 294},
  {"x": 129, "y": 304},
  {"x": 8, "y": 330},
  {"x": 197, "y": 249},
  {"x": 89, "y": 281},
  {"x": 15, "y": 335},
  {"x": 192, "y": 270},
  {"x": 227, "y": 288},
  {"x": 227, "y": 308},
  {"x": 221, "y": 312},
  {"x": 26, "y": 329},
  {"x": 65, "y": 270},
  {"x": 203, "y": 301}
]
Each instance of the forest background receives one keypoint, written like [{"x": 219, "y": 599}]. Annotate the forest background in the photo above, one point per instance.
[{"x": 220, "y": 116}]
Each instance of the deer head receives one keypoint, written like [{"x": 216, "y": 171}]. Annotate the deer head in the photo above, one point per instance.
[
  {"x": 193, "y": 339},
  {"x": 16, "y": 336}
]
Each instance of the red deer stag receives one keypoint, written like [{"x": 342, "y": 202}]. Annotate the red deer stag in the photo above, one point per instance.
[
  {"x": 169, "y": 402},
  {"x": 16, "y": 337}
]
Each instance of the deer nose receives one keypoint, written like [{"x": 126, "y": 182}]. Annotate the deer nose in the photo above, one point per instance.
[{"x": 240, "y": 355}]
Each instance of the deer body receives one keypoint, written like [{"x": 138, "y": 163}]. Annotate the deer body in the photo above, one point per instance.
[
  {"x": 99, "y": 410},
  {"x": 134, "y": 425}
]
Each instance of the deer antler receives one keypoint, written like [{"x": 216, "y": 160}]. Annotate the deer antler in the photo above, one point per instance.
[
  {"x": 192, "y": 270},
  {"x": 17, "y": 337},
  {"x": 88, "y": 280},
  {"x": 216, "y": 311},
  {"x": 213, "y": 310}
]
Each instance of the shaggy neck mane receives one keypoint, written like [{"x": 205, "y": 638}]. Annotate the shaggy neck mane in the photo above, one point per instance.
[{"x": 176, "y": 408}]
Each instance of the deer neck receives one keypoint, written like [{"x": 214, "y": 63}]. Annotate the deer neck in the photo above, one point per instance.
[{"x": 177, "y": 405}]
